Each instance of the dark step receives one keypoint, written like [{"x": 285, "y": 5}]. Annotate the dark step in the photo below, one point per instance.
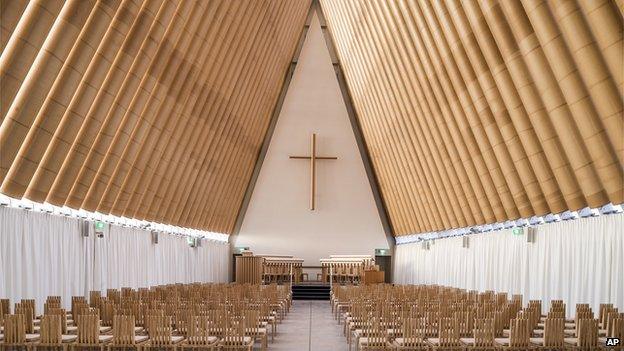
[{"x": 310, "y": 292}]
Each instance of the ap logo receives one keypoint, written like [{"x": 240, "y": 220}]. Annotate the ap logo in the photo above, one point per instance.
[{"x": 612, "y": 342}]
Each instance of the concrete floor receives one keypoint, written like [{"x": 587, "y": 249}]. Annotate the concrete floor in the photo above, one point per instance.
[{"x": 309, "y": 327}]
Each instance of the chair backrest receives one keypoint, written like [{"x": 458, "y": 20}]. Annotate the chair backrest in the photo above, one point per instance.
[
  {"x": 234, "y": 334},
  {"x": 26, "y": 310},
  {"x": 95, "y": 298},
  {"x": 160, "y": 329},
  {"x": 519, "y": 332},
  {"x": 123, "y": 330},
  {"x": 62, "y": 314},
  {"x": 554, "y": 332},
  {"x": 5, "y": 306},
  {"x": 603, "y": 311},
  {"x": 448, "y": 332},
  {"x": 587, "y": 330},
  {"x": 375, "y": 334},
  {"x": 14, "y": 328},
  {"x": 29, "y": 303},
  {"x": 51, "y": 330},
  {"x": 617, "y": 327},
  {"x": 108, "y": 312},
  {"x": 198, "y": 330},
  {"x": 414, "y": 332},
  {"x": 611, "y": 316},
  {"x": 484, "y": 332},
  {"x": 88, "y": 323}
]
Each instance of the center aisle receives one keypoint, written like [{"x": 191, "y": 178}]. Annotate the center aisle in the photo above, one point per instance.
[{"x": 309, "y": 326}]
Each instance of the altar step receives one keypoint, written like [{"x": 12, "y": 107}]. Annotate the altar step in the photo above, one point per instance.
[{"x": 310, "y": 292}]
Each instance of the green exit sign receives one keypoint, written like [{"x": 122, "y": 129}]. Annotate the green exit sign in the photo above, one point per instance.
[
  {"x": 518, "y": 231},
  {"x": 99, "y": 225}
]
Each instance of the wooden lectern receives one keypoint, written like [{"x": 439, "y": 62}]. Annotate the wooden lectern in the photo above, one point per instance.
[{"x": 249, "y": 268}]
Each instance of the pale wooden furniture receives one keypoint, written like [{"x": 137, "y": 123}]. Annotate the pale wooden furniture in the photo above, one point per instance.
[
  {"x": 198, "y": 334},
  {"x": 89, "y": 331},
  {"x": 249, "y": 268},
  {"x": 234, "y": 337},
  {"x": 160, "y": 332},
  {"x": 414, "y": 335},
  {"x": 124, "y": 333},
  {"x": 448, "y": 335},
  {"x": 483, "y": 337},
  {"x": 374, "y": 276}
]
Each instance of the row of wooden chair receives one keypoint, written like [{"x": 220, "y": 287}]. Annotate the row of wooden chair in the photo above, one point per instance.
[
  {"x": 385, "y": 317},
  {"x": 195, "y": 316}
]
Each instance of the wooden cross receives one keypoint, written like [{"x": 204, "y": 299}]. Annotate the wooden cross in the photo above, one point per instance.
[{"x": 313, "y": 157}]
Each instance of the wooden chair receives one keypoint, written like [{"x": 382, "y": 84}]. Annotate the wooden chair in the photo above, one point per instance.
[
  {"x": 374, "y": 337},
  {"x": 124, "y": 333},
  {"x": 587, "y": 335},
  {"x": 15, "y": 331},
  {"x": 413, "y": 331},
  {"x": 52, "y": 333},
  {"x": 519, "y": 337},
  {"x": 198, "y": 334},
  {"x": 553, "y": 334},
  {"x": 26, "y": 310},
  {"x": 483, "y": 337},
  {"x": 234, "y": 337},
  {"x": 160, "y": 333},
  {"x": 254, "y": 328},
  {"x": 88, "y": 336},
  {"x": 448, "y": 335}
]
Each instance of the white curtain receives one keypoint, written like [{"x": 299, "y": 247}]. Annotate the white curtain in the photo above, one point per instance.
[
  {"x": 579, "y": 261},
  {"x": 43, "y": 254}
]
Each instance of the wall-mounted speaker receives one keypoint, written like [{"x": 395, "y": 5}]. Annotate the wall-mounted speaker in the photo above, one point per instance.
[
  {"x": 465, "y": 242},
  {"x": 530, "y": 234},
  {"x": 154, "y": 237},
  {"x": 84, "y": 228}
]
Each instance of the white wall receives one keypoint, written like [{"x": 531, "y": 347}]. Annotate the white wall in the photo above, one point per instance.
[
  {"x": 278, "y": 219},
  {"x": 579, "y": 261},
  {"x": 43, "y": 254}
]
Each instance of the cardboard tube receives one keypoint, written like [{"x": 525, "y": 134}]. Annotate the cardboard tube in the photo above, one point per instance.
[
  {"x": 65, "y": 84},
  {"x": 73, "y": 116},
  {"x": 18, "y": 55}
]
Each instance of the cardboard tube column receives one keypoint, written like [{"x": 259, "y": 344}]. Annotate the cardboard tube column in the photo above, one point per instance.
[
  {"x": 19, "y": 53},
  {"x": 74, "y": 115},
  {"x": 532, "y": 146},
  {"x": 47, "y": 118},
  {"x": 166, "y": 60},
  {"x": 526, "y": 89},
  {"x": 10, "y": 15},
  {"x": 141, "y": 56}
]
